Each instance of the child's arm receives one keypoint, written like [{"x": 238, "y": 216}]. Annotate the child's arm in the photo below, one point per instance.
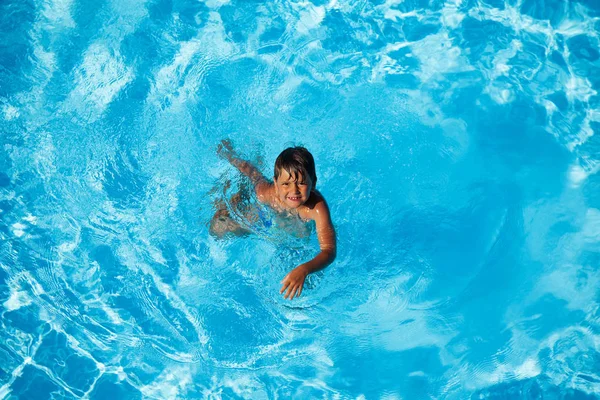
[
  {"x": 225, "y": 150},
  {"x": 294, "y": 281}
]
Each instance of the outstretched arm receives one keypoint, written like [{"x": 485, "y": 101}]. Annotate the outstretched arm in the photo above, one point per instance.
[
  {"x": 294, "y": 281},
  {"x": 225, "y": 150}
]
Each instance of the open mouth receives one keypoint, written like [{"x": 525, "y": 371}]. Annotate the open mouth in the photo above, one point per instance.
[{"x": 295, "y": 198}]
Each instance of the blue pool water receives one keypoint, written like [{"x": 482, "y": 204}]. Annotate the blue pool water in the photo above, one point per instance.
[{"x": 456, "y": 141}]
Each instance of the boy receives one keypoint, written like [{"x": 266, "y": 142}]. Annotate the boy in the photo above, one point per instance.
[{"x": 292, "y": 191}]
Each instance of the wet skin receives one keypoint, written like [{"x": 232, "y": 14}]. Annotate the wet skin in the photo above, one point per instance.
[{"x": 295, "y": 194}]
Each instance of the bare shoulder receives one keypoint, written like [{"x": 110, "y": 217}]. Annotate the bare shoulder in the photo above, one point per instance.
[
  {"x": 265, "y": 191},
  {"x": 316, "y": 208}
]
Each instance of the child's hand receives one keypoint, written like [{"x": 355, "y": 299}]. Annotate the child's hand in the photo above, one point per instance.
[
  {"x": 293, "y": 282},
  {"x": 225, "y": 149}
]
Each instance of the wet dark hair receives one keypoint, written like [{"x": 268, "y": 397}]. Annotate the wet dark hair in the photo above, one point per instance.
[{"x": 296, "y": 160}]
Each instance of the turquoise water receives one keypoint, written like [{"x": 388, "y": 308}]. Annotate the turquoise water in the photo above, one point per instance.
[{"x": 455, "y": 141}]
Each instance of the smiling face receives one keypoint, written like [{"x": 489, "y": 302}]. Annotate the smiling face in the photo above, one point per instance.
[{"x": 293, "y": 191}]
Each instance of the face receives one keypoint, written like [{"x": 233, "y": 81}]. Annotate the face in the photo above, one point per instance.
[{"x": 293, "y": 193}]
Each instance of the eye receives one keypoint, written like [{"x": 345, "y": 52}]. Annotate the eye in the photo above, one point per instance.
[
  {"x": 302, "y": 183},
  {"x": 285, "y": 184}
]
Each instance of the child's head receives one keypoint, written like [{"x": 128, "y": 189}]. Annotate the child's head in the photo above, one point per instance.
[
  {"x": 296, "y": 160},
  {"x": 294, "y": 176}
]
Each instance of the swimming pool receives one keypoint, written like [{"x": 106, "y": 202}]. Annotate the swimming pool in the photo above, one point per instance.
[{"x": 456, "y": 143}]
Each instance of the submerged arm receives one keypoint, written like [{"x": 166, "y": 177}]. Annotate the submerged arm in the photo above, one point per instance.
[
  {"x": 294, "y": 281},
  {"x": 225, "y": 150}
]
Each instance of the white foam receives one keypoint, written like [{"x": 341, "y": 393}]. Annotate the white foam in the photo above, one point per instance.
[
  {"x": 98, "y": 80},
  {"x": 214, "y": 4},
  {"x": 578, "y": 23},
  {"x": 575, "y": 284},
  {"x": 57, "y": 16},
  {"x": 5, "y": 391},
  {"x": 511, "y": 17},
  {"x": 67, "y": 247},
  {"x": 579, "y": 173},
  {"x": 529, "y": 369},
  {"x": 10, "y": 112},
  {"x": 451, "y": 17},
  {"x": 321, "y": 356},
  {"x": 310, "y": 18},
  {"x": 550, "y": 107},
  {"x": 394, "y": 14},
  {"x": 205, "y": 51},
  {"x": 18, "y": 229},
  {"x": 501, "y": 92},
  {"x": 578, "y": 88},
  {"x": 286, "y": 89},
  {"x": 17, "y": 300},
  {"x": 438, "y": 56},
  {"x": 170, "y": 384},
  {"x": 120, "y": 373},
  {"x": 569, "y": 349},
  {"x": 332, "y": 5},
  {"x": 243, "y": 386},
  {"x": 58, "y": 13},
  {"x": 31, "y": 219},
  {"x": 167, "y": 76},
  {"x": 131, "y": 13},
  {"x": 101, "y": 367},
  {"x": 585, "y": 132},
  {"x": 114, "y": 317},
  {"x": 502, "y": 57},
  {"x": 44, "y": 156},
  {"x": 131, "y": 260},
  {"x": 398, "y": 327}
]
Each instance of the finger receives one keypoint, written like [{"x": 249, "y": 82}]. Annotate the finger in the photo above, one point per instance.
[
  {"x": 289, "y": 292},
  {"x": 294, "y": 290},
  {"x": 285, "y": 285},
  {"x": 300, "y": 290}
]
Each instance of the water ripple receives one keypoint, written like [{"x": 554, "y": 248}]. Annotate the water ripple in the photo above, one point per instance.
[{"x": 457, "y": 147}]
